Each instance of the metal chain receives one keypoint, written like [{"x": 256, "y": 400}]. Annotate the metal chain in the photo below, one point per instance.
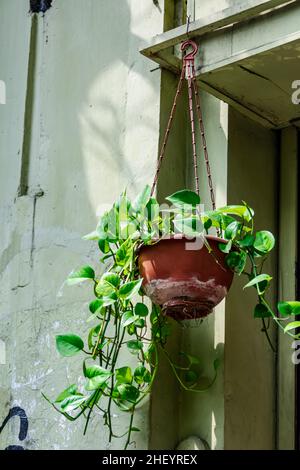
[
  {"x": 191, "y": 111},
  {"x": 166, "y": 136},
  {"x": 203, "y": 138},
  {"x": 188, "y": 66}
]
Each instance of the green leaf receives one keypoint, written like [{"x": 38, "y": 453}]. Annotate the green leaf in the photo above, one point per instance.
[
  {"x": 258, "y": 279},
  {"x": 220, "y": 221},
  {"x": 192, "y": 360},
  {"x": 103, "y": 245},
  {"x": 141, "y": 309},
  {"x": 128, "y": 230},
  {"x": 97, "y": 376},
  {"x": 232, "y": 230},
  {"x": 128, "y": 290},
  {"x": 189, "y": 226},
  {"x": 142, "y": 375},
  {"x": 109, "y": 299},
  {"x": 284, "y": 308},
  {"x": 261, "y": 311},
  {"x": 111, "y": 227},
  {"x": 140, "y": 322},
  {"x": 142, "y": 199},
  {"x": 264, "y": 242},
  {"x": 135, "y": 430},
  {"x": 152, "y": 210},
  {"x": 112, "y": 279},
  {"x": 123, "y": 206},
  {"x": 128, "y": 318},
  {"x": 216, "y": 364},
  {"x": 91, "y": 236},
  {"x": 161, "y": 332},
  {"x": 93, "y": 371},
  {"x": 68, "y": 345},
  {"x": 124, "y": 253},
  {"x": 292, "y": 326},
  {"x": 131, "y": 329},
  {"x": 93, "y": 333},
  {"x": 225, "y": 247},
  {"x": 124, "y": 375},
  {"x": 104, "y": 289},
  {"x": 247, "y": 241},
  {"x": 95, "y": 305},
  {"x": 106, "y": 301},
  {"x": 101, "y": 229},
  {"x": 135, "y": 346},
  {"x": 66, "y": 393},
  {"x": 236, "y": 261},
  {"x": 73, "y": 402},
  {"x": 184, "y": 197},
  {"x": 207, "y": 224},
  {"x": 191, "y": 376},
  {"x": 288, "y": 308},
  {"x": 84, "y": 273},
  {"x": 295, "y": 306},
  {"x": 128, "y": 392},
  {"x": 241, "y": 211},
  {"x": 149, "y": 352}
]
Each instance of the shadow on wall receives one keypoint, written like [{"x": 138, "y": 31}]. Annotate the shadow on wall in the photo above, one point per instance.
[
  {"x": 95, "y": 129},
  {"x": 118, "y": 128},
  {"x": 202, "y": 413},
  {"x": 99, "y": 129},
  {"x": 98, "y": 132}
]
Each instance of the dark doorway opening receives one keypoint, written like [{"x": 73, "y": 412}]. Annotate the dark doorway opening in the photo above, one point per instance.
[{"x": 297, "y": 273}]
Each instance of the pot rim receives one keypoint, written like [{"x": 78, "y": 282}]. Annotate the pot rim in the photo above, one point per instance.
[{"x": 179, "y": 236}]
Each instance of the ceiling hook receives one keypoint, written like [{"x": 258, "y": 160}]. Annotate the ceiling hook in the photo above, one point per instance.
[
  {"x": 188, "y": 20},
  {"x": 190, "y": 55}
]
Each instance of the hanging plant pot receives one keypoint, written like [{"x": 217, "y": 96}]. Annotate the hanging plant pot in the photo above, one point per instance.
[{"x": 186, "y": 283}]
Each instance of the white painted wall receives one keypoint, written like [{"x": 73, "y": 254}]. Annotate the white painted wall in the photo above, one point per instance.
[
  {"x": 202, "y": 8},
  {"x": 93, "y": 130}
]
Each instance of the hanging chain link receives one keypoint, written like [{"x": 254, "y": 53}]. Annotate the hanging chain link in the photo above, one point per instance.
[
  {"x": 188, "y": 72},
  {"x": 167, "y": 133},
  {"x": 203, "y": 138},
  {"x": 191, "y": 112}
]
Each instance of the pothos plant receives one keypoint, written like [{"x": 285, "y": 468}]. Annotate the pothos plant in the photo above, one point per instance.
[{"x": 122, "y": 321}]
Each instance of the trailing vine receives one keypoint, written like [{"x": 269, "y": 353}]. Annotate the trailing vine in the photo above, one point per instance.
[{"x": 124, "y": 325}]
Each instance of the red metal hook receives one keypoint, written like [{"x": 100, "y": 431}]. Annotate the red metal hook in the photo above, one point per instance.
[{"x": 191, "y": 55}]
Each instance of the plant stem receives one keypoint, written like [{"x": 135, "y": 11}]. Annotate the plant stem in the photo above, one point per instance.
[
  {"x": 189, "y": 389},
  {"x": 261, "y": 298},
  {"x": 113, "y": 350},
  {"x": 267, "y": 336},
  {"x": 90, "y": 411},
  {"x": 130, "y": 428}
]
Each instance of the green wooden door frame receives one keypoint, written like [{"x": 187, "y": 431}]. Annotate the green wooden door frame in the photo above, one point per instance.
[{"x": 287, "y": 409}]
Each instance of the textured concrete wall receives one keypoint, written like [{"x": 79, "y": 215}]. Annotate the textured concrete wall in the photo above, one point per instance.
[{"x": 81, "y": 122}]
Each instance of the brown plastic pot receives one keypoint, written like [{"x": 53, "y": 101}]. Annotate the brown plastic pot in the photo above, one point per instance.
[{"x": 186, "y": 283}]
